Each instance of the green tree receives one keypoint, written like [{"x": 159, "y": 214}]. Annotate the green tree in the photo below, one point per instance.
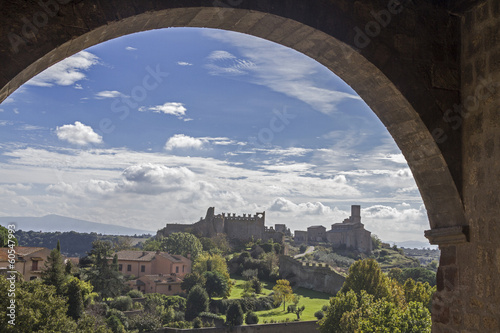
[
  {"x": 183, "y": 243},
  {"x": 74, "y": 294},
  {"x": 419, "y": 292},
  {"x": 367, "y": 275},
  {"x": 197, "y": 302},
  {"x": 216, "y": 284},
  {"x": 210, "y": 262},
  {"x": 54, "y": 273},
  {"x": 191, "y": 280},
  {"x": 396, "y": 273},
  {"x": 105, "y": 278},
  {"x": 343, "y": 303},
  {"x": 234, "y": 314},
  {"x": 92, "y": 324},
  {"x": 38, "y": 309},
  {"x": 282, "y": 292},
  {"x": 153, "y": 244}
]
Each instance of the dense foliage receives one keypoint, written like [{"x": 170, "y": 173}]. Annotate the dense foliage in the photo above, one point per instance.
[{"x": 370, "y": 301}]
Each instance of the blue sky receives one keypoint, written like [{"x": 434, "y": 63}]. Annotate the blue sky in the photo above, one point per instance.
[{"x": 155, "y": 127}]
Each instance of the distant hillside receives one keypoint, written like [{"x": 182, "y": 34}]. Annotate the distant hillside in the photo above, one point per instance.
[
  {"x": 52, "y": 223},
  {"x": 414, "y": 245}
]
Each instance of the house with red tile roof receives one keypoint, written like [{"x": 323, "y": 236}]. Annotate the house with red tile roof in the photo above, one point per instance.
[
  {"x": 29, "y": 261},
  {"x": 156, "y": 272}
]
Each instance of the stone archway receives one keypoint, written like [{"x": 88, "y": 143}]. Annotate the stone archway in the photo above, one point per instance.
[{"x": 417, "y": 64}]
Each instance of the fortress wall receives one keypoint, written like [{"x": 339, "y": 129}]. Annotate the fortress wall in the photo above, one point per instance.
[{"x": 244, "y": 229}]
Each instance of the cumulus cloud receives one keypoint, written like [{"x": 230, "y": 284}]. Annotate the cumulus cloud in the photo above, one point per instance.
[
  {"x": 171, "y": 108},
  {"x": 66, "y": 72},
  {"x": 181, "y": 141},
  {"x": 108, "y": 94},
  {"x": 305, "y": 208},
  {"x": 154, "y": 178},
  {"x": 78, "y": 134}
]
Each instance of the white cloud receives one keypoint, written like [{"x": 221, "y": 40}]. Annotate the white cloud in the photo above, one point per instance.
[
  {"x": 171, "y": 108},
  {"x": 2, "y": 110},
  {"x": 28, "y": 127},
  {"x": 275, "y": 67},
  {"x": 9, "y": 100},
  {"x": 108, "y": 94},
  {"x": 220, "y": 55},
  {"x": 6, "y": 122},
  {"x": 130, "y": 48},
  {"x": 66, "y": 72},
  {"x": 78, "y": 134},
  {"x": 183, "y": 63},
  {"x": 181, "y": 141},
  {"x": 16, "y": 110},
  {"x": 307, "y": 208},
  {"x": 78, "y": 86},
  {"x": 154, "y": 178}
]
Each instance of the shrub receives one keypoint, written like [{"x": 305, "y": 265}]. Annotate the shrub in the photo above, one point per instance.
[
  {"x": 319, "y": 314},
  {"x": 256, "y": 285},
  {"x": 324, "y": 308},
  {"x": 144, "y": 322},
  {"x": 122, "y": 303},
  {"x": 115, "y": 324},
  {"x": 234, "y": 315},
  {"x": 180, "y": 324},
  {"x": 251, "y": 318},
  {"x": 118, "y": 314},
  {"x": 134, "y": 293},
  {"x": 197, "y": 323}
]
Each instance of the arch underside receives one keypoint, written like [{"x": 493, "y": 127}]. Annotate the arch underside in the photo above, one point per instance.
[{"x": 425, "y": 158}]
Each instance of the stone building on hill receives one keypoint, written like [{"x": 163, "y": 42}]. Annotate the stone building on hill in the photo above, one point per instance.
[
  {"x": 350, "y": 234},
  {"x": 236, "y": 227}
]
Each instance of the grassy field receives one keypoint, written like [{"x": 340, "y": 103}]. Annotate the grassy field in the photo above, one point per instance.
[{"x": 312, "y": 300}]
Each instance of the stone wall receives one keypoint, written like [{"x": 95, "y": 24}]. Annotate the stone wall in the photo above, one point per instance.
[
  {"x": 295, "y": 327},
  {"x": 468, "y": 297},
  {"x": 244, "y": 229},
  {"x": 319, "y": 277}
]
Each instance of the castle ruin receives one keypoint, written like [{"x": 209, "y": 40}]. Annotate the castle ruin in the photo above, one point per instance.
[
  {"x": 350, "y": 234},
  {"x": 236, "y": 227}
]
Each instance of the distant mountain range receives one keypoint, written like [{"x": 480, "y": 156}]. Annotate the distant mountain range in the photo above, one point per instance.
[
  {"x": 413, "y": 244},
  {"x": 51, "y": 223}
]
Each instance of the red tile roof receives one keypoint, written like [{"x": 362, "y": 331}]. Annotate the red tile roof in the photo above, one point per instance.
[{"x": 148, "y": 256}]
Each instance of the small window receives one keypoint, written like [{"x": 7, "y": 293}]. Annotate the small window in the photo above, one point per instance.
[
  {"x": 169, "y": 288},
  {"x": 182, "y": 268},
  {"x": 129, "y": 268},
  {"x": 120, "y": 267},
  {"x": 177, "y": 269},
  {"x": 143, "y": 268},
  {"x": 34, "y": 265}
]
